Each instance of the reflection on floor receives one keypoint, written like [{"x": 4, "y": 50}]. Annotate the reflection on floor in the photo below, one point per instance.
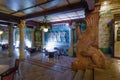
[{"x": 38, "y": 67}]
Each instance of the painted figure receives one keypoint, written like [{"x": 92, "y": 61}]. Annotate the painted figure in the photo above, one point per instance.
[
  {"x": 37, "y": 36},
  {"x": 63, "y": 36}
]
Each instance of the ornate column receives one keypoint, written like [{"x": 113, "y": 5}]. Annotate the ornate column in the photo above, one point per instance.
[
  {"x": 21, "y": 30},
  {"x": 33, "y": 40},
  {"x": 43, "y": 41},
  {"x": 11, "y": 51},
  {"x": 71, "y": 43}
]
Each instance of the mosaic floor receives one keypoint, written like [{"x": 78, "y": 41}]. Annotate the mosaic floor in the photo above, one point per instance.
[{"x": 37, "y": 67}]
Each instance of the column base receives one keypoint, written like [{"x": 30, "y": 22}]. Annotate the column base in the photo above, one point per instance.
[
  {"x": 22, "y": 59},
  {"x": 10, "y": 54}
]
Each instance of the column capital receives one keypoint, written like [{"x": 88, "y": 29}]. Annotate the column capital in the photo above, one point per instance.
[{"x": 21, "y": 24}]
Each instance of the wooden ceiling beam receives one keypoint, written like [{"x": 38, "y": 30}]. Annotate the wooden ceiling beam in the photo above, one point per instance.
[
  {"x": 31, "y": 7},
  {"x": 4, "y": 23},
  {"x": 78, "y": 5},
  {"x": 9, "y": 18},
  {"x": 32, "y": 23}
]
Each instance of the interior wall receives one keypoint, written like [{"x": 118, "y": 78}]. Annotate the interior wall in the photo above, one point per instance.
[
  {"x": 4, "y": 37},
  {"x": 58, "y": 36},
  {"x": 104, "y": 32},
  {"x": 107, "y": 12},
  {"x": 37, "y": 37}
]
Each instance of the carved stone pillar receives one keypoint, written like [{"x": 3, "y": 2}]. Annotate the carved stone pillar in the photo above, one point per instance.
[
  {"x": 21, "y": 29},
  {"x": 10, "y": 40}
]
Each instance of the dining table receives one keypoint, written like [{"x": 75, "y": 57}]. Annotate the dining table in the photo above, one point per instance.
[
  {"x": 52, "y": 53},
  {"x": 3, "y": 68}
]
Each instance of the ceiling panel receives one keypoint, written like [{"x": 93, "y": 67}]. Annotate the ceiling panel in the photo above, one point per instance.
[
  {"x": 62, "y": 3},
  {"x": 24, "y": 7},
  {"x": 19, "y": 4},
  {"x": 56, "y": 10},
  {"x": 5, "y": 10},
  {"x": 33, "y": 10},
  {"x": 51, "y": 4},
  {"x": 74, "y": 1},
  {"x": 1, "y": 2},
  {"x": 41, "y": 1},
  {"x": 63, "y": 16}
]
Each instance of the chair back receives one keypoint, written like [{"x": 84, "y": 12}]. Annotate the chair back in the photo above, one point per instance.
[
  {"x": 16, "y": 63},
  {"x": 60, "y": 53},
  {"x": 46, "y": 53},
  {"x": 8, "y": 75},
  {"x": 55, "y": 48}
]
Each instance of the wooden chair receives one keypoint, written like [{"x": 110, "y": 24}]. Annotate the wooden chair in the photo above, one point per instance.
[
  {"x": 46, "y": 55},
  {"x": 9, "y": 74},
  {"x": 60, "y": 54},
  {"x": 17, "y": 68},
  {"x": 17, "y": 65}
]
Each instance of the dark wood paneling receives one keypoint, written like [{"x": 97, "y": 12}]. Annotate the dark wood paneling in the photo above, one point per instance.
[
  {"x": 5, "y": 23},
  {"x": 9, "y": 18},
  {"x": 32, "y": 24}
]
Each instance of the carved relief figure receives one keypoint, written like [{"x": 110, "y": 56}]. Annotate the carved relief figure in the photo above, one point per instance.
[
  {"x": 88, "y": 56},
  {"x": 87, "y": 52}
]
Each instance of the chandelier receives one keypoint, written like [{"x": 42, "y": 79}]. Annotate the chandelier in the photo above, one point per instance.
[{"x": 45, "y": 24}]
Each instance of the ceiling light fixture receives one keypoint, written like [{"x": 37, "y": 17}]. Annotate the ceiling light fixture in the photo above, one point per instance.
[
  {"x": 45, "y": 24},
  {"x": 1, "y": 32},
  {"x": 105, "y": 2}
]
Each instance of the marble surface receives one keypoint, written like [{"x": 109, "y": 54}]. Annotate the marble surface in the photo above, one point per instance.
[
  {"x": 111, "y": 72},
  {"x": 3, "y": 68},
  {"x": 34, "y": 69}
]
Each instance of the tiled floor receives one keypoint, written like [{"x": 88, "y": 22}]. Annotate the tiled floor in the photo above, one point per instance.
[{"x": 37, "y": 67}]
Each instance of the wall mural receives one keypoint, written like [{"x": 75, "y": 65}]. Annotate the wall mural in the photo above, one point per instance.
[
  {"x": 4, "y": 38},
  {"x": 17, "y": 38},
  {"x": 29, "y": 34},
  {"x": 37, "y": 37},
  {"x": 58, "y": 36},
  {"x": 28, "y": 37}
]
